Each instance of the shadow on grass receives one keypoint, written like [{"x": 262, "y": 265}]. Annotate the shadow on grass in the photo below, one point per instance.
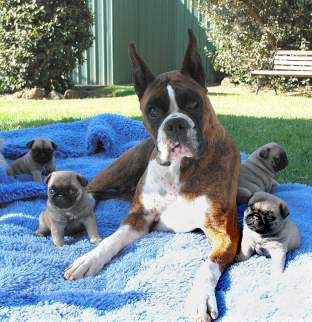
[
  {"x": 36, "y": 123},
  {"x": 222, "y": 94},
  {"x": 127, "y": 90},
  {"x": 115, "y": 91},
  {"x": 250, "y": 133}
]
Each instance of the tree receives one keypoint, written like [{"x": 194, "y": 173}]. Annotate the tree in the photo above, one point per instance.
[
  {"x": 247, "y": 33},
  {"x": 41, "y": 41}
]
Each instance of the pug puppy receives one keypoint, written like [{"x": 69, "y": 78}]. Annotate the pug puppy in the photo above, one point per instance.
[
  {"x": 257, "y": 172},
  {"x": 3, "y": 162},
  {"x": 69, "y": 208},
  {"x": 37, "y": 161},
  {"x": 268, "y": 231}
]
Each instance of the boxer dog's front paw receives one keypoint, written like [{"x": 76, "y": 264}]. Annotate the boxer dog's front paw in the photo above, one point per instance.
[
  {"x": 201, "y": 306},
  {"x": 87, "y": 265}
]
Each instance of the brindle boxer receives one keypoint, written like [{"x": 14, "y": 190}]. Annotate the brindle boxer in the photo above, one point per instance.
[{"x": 188, "y": 181}]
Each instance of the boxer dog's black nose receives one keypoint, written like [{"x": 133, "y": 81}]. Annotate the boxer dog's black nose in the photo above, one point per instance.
[{"x": 176, "y": 128}]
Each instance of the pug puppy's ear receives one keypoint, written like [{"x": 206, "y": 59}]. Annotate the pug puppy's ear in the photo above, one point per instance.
[
  {"x": 284, "y": 210},
  {"x": 54, "y": 145},
  {"x": 47, "y": 179},
  {"x": 250, "y": 202},
  {"x": 83, "y": 181},
  {"x": 30, "y": 144},
  {"x": 264, "y": 153}
]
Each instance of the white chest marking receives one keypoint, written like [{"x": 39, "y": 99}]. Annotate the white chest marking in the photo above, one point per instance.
[{"x": 161, "y": 193}]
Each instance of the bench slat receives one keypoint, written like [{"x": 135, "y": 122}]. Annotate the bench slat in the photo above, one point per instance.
[
  {"x": 293, "y": 58},
  {"x": 295, "y": 68},
  {"x": 295, "y": 52},
  {"x": 292, "y": 62},
  {"x": 306, "y": 74}
]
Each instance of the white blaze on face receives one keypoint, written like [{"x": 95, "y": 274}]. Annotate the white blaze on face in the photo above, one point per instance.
[
  {"x": 173, "y": 107},
  {"x": 163, "y": 144}
]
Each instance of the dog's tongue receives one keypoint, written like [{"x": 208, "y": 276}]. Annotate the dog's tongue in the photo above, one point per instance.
[{"x": 179, "y": 150}]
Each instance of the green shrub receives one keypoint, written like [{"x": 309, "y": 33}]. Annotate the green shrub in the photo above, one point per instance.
[
  {"x": 247, "y": 33},
  {"x": 41, "y": 41}
]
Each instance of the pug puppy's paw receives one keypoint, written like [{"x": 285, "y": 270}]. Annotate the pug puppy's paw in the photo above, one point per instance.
[
  {"x": 41, "y": 233},
  {"x": 58, "y": 243},
  {"x": 240, "y": 257},
  {"x": 95, "y": 240}
]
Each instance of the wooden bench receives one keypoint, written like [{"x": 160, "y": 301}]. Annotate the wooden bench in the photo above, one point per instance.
[{"x": 289, "y": 63}]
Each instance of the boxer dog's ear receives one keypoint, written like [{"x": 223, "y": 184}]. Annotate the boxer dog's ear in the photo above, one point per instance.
[
  {"x": 141, "y": 73},
  {"x": 192, "y": 65}
]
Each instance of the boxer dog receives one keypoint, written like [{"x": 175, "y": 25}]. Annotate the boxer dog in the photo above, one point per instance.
[{"x": 185, "y": 177}]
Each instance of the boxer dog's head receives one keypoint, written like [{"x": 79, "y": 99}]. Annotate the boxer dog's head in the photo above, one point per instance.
[{"x": 176, "y": 110}]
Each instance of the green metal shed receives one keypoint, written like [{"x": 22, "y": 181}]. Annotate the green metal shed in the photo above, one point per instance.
[{"x": 158, "y": 27}]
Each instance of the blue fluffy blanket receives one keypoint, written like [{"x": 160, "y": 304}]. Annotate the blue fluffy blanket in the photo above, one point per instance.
[{"x": 150, "y": 279}]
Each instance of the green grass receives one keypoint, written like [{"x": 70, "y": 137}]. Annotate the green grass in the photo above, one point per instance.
[
  {"x": 252, "y": 120},
  {"x": 116, "y": 90}
]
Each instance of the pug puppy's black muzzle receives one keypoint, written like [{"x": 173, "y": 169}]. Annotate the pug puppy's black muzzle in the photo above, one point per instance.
[
  {"x": 257, "y": 222},
  {"x": 42, "y": 156},
  {"x": 280, "y": 162},
  {"x": 63, "y": 198}
]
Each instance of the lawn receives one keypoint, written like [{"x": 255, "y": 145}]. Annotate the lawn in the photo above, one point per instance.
[{"x": 252, "y": 120}]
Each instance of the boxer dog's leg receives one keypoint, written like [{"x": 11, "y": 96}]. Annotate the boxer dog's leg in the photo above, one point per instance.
[
  {"x": 136, "y": 225},
  {"x": 201, "y": 303},
  {"x": 119, "y": 180}
]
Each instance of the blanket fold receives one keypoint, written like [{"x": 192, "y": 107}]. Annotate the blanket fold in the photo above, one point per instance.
[
  {"x": 113, "y": 133},
  {"x": 109, "y": 134}
]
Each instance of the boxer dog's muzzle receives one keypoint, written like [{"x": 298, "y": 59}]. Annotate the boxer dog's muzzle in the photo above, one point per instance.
[{"x": 177, "y": 138}]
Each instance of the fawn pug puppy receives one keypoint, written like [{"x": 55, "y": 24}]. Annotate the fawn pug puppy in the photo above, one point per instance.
[
  {"x": 268, "y": 230},
  {"x": 257, "y": 172},
  {"x": 69, "y": 208},
  {"x": 37, "y": 161}
]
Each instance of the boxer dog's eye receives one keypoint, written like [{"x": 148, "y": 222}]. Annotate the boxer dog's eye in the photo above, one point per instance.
[
  {"x": 153, "y": 112},
  {"x": 191, "y": 105}
]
